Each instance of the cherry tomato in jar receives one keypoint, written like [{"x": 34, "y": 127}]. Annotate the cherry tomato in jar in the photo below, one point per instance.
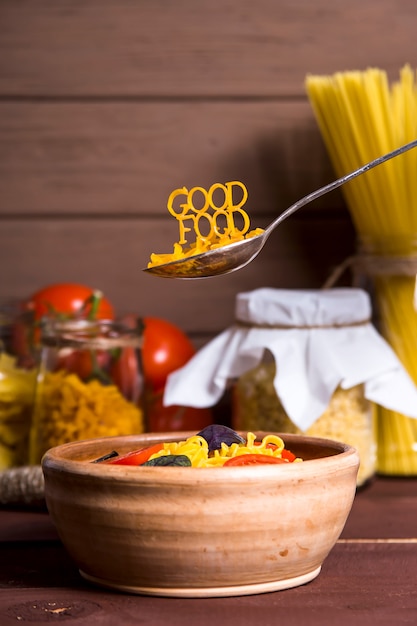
[
  {"x": 124, "y": 372},
  {"x": 84, "y": 363}
]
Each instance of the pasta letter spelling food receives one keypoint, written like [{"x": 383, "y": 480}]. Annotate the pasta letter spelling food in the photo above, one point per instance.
[{"x": 214, "y": 217}]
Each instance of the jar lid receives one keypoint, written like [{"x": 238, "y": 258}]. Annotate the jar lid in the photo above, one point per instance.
[
  {"x": 287, "y": 308},
  {"x": 90, "y": 334}
]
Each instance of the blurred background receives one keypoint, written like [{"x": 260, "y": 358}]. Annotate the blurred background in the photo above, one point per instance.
[{"x": 106, "y": 106}]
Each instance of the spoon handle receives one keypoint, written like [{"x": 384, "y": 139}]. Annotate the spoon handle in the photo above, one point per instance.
[{"x": 337, "y": 183}]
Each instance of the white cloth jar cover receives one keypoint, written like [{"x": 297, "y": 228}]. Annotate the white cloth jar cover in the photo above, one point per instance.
[{"x": 320, "y": 340}]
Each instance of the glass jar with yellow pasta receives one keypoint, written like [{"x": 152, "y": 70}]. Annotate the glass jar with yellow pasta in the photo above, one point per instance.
[
  {"x": 90, "y": 384},
  {"x": 349, "y": 416},
  {"x": 17, "y": 384}
]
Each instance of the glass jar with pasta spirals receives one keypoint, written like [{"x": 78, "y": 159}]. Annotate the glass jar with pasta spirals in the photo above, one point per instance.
[{"x": 90, "y": 383}]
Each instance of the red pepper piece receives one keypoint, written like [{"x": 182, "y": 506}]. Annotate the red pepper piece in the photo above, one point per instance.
[
  {"x": 288, "y": 455},
  {"x": 137, "y": 457}
]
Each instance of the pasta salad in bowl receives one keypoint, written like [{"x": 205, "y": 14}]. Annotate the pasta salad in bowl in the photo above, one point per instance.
[{"x": 215, "y": 513}]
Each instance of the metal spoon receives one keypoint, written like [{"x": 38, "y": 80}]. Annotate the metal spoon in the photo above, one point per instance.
[{"x": 234, "y": 256}]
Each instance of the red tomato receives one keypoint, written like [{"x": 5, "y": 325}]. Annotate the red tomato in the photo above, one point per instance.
[
  {"x": 289, "y": 456},
  {"x": 254, "y": 459},
  {"x": 286, "y": 454},
  {"x": 137, "y": 457},
  {"x": 172, "y": 418},
  {"x": 165, "y": 349},
  {"x": 67, "y": 298},
  {"x": 124, "y": 372}
]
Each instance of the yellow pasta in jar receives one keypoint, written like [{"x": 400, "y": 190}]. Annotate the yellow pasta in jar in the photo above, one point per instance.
[
  {"x": 348, "y": 417},
  {"x": 68, "y": 409},
  {"x": 17, "y": 389}
]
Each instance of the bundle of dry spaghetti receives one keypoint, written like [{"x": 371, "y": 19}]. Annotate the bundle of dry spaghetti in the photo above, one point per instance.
[{"x": 362, "y": 116}]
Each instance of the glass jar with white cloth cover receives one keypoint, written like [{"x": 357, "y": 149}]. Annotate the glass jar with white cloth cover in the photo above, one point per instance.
[{"x": 306, "y": 361}]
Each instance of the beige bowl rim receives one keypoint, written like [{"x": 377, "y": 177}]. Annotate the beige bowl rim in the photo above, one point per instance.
[{"x": 74, "y": 458}]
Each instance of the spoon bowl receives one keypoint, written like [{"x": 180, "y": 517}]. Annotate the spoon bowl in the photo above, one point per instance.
[
  {"x": 237, "y": 255},
  {"x": 213, "y": 262}
]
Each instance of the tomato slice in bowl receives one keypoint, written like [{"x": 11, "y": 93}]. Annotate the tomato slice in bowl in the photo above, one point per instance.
[
  {"x": 285, "y": 454},
  {"x": 254, "y": 459}
]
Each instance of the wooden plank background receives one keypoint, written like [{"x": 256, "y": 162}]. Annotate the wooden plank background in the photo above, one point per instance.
[{"x": 106, "y": 106}]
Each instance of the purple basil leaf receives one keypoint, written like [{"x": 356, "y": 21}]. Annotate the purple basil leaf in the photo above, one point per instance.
[{"x": 215, "y": 435}]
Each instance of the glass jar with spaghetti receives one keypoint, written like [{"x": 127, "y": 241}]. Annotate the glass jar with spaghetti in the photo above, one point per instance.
[
  {"x": 17, "y": 383},
  {"x": 89, "y": 385},
  {"x": 301, "y": 361},
  {"x": 391, "y": 264}
]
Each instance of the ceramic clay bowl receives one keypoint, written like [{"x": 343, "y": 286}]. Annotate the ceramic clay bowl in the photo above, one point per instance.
[{"x": 199, "y": 532}]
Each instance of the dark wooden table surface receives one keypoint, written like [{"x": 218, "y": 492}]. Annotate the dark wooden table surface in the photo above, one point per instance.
[{"x": 369, "y": 578}]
